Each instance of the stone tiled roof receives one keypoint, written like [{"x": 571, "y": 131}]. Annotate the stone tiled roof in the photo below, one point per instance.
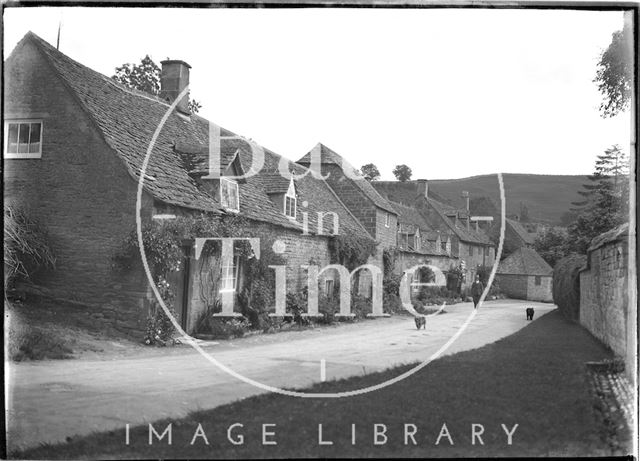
[
  {"x": 464, "y": 234},
  {"x": 328, "y": 156},
  {"x": 406, "y": 192},
  {"x": 411, "y": 219},
  {"x": 524, "y": 261},
  {"x": 521, "y": 232},
  {"x": 128, "y": 119},
  {"x": 274, "y": 183}
]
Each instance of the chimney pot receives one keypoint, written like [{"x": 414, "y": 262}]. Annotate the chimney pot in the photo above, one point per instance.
[{"x": 174, "y": 78}]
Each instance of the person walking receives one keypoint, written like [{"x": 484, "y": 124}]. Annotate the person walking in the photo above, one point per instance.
[{"x": 477, "y": 288}]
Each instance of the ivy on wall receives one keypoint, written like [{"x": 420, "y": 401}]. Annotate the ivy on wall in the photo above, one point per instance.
[
  {"x": 351, "y": 250},
  {"x": 163, "y": 244}
]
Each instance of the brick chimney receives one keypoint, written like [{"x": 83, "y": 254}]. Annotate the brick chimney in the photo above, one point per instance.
[
  {"x": 174, "y": 77},
  {"x": 423, "y": 187}
]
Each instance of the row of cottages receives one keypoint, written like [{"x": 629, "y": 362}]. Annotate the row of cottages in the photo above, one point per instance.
[
  {"x": 378, "y": 217},
  {"x": 488, "y": 218},
  {"x": 75, "y": 142},
  {"x": 419, "y": 244},
  {"x": 458, "y": 238}
]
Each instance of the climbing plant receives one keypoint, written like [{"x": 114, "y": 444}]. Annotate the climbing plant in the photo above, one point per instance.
[
  {"x": 351, "y": 250},
  {"x": 163, "y": 244}
]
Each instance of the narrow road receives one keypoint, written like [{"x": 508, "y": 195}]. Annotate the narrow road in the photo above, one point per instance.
[{"x": 51, "y": 400}]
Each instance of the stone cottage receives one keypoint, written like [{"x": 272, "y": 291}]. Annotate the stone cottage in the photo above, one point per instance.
[
  {"x": 458, "y": 236},
  {"x": 75, "y": 145},
  {"x": 418, "y": 243},
  {"x": 525, "y": 275},
  {"x": 373, "y": 211}
]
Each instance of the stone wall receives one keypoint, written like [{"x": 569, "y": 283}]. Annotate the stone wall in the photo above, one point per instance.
[
  {"x": 353, "y": 198},
  {"x": 514, "y": 286},
  {"x": 542, "y": 291},
  {"x": 604, "y": 297}
]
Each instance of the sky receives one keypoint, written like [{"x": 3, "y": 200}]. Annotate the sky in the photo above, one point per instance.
[{"x": 450, "y": 92}]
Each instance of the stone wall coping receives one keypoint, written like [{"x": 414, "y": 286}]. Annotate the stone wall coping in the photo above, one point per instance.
[{"x": 614, "y": 235}]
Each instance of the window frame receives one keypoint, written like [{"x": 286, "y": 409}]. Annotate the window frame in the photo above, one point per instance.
[
  {"x": 21, "y": 155},
  {"x": 224, "y": 180},
  {"x": 224, "y": 275},
  {"x": 291, "y": 196},
  {"x": 329, "y": 285}
]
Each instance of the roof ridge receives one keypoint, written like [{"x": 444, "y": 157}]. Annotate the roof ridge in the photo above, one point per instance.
[{"x": 121, "y": 86}]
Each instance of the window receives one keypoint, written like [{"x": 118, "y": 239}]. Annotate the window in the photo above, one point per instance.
[
  {"x": 470, "y": 250},
  {"x": 538, "y": 280},
  {"x": 290, "y": 201},
  {"x": 229, "y": 198},
  {"x": 329, "y": 288},
  {"x": 229, "y": 275},
  {"x": 387, "y": 219},
  {"x": 23, "y": 139}
]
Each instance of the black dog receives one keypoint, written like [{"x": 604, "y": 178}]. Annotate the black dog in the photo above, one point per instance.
[
  {"x": 530, "y": 312},
  {"x": 421, "y": 322}
]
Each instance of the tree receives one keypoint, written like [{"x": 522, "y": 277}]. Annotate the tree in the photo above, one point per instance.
[
  {"x": 567, "y": 218},
  {"x": 606, "y": 200},
  {"x": 551, "y": 245},
  {"x": 614, "y": 74},
  {"x": 370, "y": 172},
  {"x": 145, "y": 77},
  {"x": 402, "y": 173}
]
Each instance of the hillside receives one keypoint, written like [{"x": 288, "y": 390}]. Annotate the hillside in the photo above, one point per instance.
[{"x": 547, "y": 197}]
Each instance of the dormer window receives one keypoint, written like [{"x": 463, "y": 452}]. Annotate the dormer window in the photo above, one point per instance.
[
  {"x": 229, "y": 196},
  {"x": 290, "y": 201},
  {"x": 23, "y": 139}
]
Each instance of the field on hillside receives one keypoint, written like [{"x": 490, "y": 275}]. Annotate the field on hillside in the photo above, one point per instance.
[{"x": 547, "y": 197}]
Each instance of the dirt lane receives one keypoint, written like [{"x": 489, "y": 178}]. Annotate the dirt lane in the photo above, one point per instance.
[{"x": 49, "y": 401}]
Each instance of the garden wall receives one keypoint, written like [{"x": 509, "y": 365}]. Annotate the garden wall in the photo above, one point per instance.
[{"x": 605, "y": 308}]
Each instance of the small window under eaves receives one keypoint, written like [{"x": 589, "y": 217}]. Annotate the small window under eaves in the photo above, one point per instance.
[{"x": 290, "y": 201}]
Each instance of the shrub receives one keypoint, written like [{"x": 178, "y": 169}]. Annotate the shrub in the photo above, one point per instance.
[
  {"x": 391, "y": 303},
  {"x": 328, "y": 307},
  {"x": 26, "y": 246},
  {"x": 360, "y": 306},
  {"x": 566, "y": 285},
  {"x": 297, "y": 305},
  {"x": 226, "y": 328},
  {"x": 159, "y": 329}
]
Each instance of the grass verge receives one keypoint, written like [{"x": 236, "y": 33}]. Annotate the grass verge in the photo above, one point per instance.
[{"x": 535, "y": 378}]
